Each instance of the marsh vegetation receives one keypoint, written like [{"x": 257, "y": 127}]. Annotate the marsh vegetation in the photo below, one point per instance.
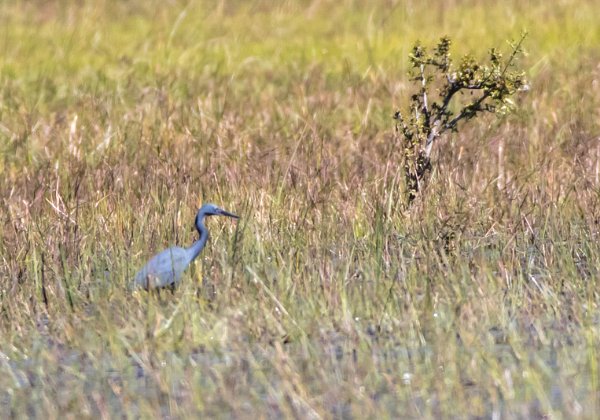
[{"x": 330, "y": 298}]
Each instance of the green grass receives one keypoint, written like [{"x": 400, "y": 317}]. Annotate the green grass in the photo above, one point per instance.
[{"x": 328, "y": 298}]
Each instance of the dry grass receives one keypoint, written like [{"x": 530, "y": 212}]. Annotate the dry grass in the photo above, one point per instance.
[{"x": 329, "y": 298}]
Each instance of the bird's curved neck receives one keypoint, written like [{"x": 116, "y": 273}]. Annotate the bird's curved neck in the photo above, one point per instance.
[{"x": 197, "y": 246}]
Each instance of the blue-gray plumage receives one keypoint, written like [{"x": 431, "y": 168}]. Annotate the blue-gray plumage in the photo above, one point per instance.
[{"x": 165, "y": 269}]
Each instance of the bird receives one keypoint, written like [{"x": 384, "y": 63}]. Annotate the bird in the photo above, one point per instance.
[{"x": 165, "y": 268}]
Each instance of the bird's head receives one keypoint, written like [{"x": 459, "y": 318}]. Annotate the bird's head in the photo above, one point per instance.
[{"x": 213, "y": 210}]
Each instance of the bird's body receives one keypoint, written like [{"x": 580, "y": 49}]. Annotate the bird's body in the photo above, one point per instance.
[{"x": 165, "y": 269}]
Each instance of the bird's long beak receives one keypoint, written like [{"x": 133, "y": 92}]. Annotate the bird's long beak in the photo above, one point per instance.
[{"x": 226, "y": 213}]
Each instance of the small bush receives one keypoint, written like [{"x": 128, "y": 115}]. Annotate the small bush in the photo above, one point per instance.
[{"x": 490, "y": 86}]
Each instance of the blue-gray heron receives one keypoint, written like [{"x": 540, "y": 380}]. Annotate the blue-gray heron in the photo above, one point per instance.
[{"x": 165, "y": 269}]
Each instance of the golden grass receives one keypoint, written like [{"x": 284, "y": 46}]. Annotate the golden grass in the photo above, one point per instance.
[{"x": 329, "y": 298}]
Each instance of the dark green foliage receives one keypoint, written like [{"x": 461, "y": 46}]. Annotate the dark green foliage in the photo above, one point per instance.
[{"x": 489, "y": 85}]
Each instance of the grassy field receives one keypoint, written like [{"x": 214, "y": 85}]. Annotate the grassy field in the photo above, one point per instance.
[{"x": 329, "y": 298}]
